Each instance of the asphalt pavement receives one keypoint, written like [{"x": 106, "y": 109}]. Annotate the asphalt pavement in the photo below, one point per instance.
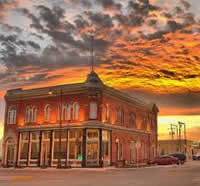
[{"x": 173, "y": 175}]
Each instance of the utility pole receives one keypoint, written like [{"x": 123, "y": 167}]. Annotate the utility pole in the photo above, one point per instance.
[
  {"x": 59, "y": 165},
  {"x": 185, "y": 139},
  {"x": 173, "y": 131}
]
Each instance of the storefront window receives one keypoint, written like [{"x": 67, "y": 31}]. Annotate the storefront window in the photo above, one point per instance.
[
  {"x": 75, "y": 146},
  {"x": 106, "y": 147},
  {"x": 24, "y": 146},
  {"x": 60, "y": 151},
  {"x": 35, "y": 145}
]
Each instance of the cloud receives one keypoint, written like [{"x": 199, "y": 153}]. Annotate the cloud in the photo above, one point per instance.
[
  {"x": 51, "y": 17},
  {"x": 5, "y": 6},
  {"x": 139, "y": 45}
]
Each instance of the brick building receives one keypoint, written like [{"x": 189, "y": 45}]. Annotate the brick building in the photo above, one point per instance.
[{"x": 80, "y": 125}]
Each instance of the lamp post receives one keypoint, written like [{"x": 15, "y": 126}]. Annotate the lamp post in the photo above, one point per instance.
[
  {"x": 60, "y": 127},
  {"x": 180, "y": 126}
]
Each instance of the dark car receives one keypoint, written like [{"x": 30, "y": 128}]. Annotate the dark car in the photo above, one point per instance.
[
  {"x": 164, "y": 160},
  {"x": 196, "y": 156},
  {"x": 181, "y": 156}
]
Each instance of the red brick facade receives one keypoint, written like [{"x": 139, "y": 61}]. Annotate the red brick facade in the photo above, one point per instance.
[{"x": 142, "y": 130}]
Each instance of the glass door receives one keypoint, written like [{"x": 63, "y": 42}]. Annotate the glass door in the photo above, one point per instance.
[
  {"x": 75, "y": 147},
  {"x": 132, "y": 152},
  {"x": 10, "y": 155},
  {"x": 46, "y": 156},
  {"x": 92, "y": 153}
]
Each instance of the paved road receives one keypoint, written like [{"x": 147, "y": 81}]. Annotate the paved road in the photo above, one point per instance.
[{"x": 185, "y": 175}]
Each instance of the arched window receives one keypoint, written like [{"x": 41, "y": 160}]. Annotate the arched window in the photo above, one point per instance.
[
  {"x": 12, "y": 114},
  {"x": 93, "y": 110},
  {"x": 144, "y": 123},
  {"x": 28, "y": 114},
  {"x": 106, "y": 113},
  {"x": 76, "y": 111},
  {"x": 34, "y": 114},
  {"x": 132, "y": 120},
  {"x": 68, "y": 112},
  {"x": 47, "y": 112},
  {"x": 120, "y": 115}
]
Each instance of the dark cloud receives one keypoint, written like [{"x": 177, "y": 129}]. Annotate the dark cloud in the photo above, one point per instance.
[
  {"x": 34, "y": 45},
  {"x": 189, "y": 101},
  {"x": 186, "y": 4},
  {"x": 101, "y": 19},
  {"x": 109, "y": 4},
  {"x": 168, "y": 73},
  {"x": 35, "y": 20},
  {"x": 52, "y": 17}
]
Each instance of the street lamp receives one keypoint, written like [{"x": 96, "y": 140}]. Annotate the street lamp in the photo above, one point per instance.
[{"x": 60, "y": 127}]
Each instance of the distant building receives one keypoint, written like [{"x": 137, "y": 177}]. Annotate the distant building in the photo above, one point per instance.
[
  {"x": 81, "y": 125},
  {"x": 171, "y": 146}
]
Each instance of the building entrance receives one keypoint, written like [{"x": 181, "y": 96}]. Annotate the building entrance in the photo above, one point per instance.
[
  {"x": 46, "y": 156},
  {"x": 10, "y": 155},
  {"x": 92, "y": 153}
]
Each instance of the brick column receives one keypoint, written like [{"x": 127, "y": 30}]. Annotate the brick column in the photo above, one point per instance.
[
  {"x": 84, "y": 148},
  {"x": 100, "y": 148},
  {"x": 110, "y": 147}
]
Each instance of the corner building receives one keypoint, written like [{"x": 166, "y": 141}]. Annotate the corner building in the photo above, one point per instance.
[{"x": 80, "y": 125}]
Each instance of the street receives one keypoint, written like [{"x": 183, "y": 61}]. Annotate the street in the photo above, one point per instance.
[{"x": 173, "y": 175}]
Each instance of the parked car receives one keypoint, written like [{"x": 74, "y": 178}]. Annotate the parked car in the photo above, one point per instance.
[
  {"x": 181, "y": 156},
  {"x": 196, "y": 156},
  {"x": 164, "y": 160}
]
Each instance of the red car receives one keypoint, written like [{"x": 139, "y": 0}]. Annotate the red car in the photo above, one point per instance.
[{"x": 164, "y": 160}]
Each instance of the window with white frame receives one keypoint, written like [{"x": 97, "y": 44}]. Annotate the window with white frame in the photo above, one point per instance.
[
  {"x": 93, "y": 110},
  {"x": 47, "y": 112},
  {"x": 59, "y": 150},
  {"x": 76, "y": 108},
  {"x": 68, "y": 112},
  {"x": 34, "y": 147},
  {"x": 120, "y": 116},
  {"x": 28, "y": 114},
  {"x": 132, "y": 120},
  {"x": 34, "y": 114},
  {"x": 106, "y": 113},
  {"x": 24, "y": 148},
  {"x": 12, "y": 114}
]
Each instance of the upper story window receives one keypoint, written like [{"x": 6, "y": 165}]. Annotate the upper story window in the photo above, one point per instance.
[
  {"x": 12, "y": 114},
  {"x": 76, "y": 108},
  {"x": 144, "y": 123},
  {"x": 132, "y": 120},
  {"x": 31, "y": 114},
  {"x": 93, "y": 110},
  {"x": 106, "y": 113},
  {"x": 34, "y": 114},
  {"x": 68, "y": 112},
  {"x": 47, "y": 112},
  {"x": 28, "y": 114},
  {"x": 120, "y": 116}
]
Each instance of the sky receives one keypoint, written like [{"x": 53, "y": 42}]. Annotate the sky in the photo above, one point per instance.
[{"x": 147, "y": 48}]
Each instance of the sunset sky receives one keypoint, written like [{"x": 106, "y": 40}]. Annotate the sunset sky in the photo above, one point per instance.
[{"x": 147, "y": 48}]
